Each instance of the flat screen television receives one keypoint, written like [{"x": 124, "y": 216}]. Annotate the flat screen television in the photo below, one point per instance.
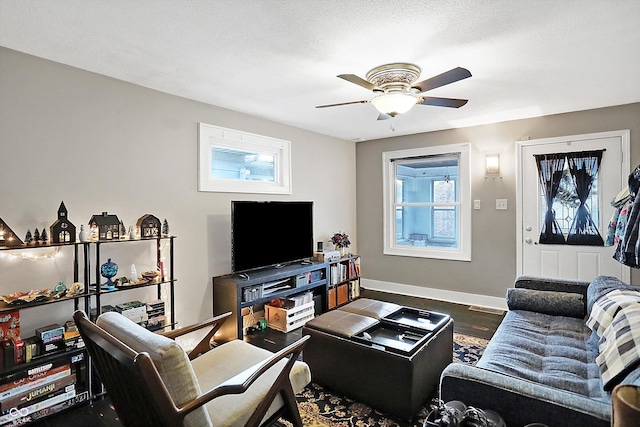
[{"x": 267, "y": 234}]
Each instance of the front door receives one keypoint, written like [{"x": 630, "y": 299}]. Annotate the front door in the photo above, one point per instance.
[{"x": 562, "y": 260}]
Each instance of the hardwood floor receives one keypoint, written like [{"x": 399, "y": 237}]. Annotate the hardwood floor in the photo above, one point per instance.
[{"x": 470, "y": 322}]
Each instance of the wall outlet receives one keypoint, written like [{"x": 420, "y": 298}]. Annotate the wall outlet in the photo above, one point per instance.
[{"x": 501, "y": 204}]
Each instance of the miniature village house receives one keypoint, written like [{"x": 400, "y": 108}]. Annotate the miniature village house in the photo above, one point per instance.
[
  {"x": 62, "y": 231},
  {"x": 149, "y": 226},
  {"x": 7, "y": 236},
  {"x": 107, "y": 226}
]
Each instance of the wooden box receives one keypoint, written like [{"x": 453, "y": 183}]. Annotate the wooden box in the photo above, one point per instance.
[{"x": 285, "y": 320}]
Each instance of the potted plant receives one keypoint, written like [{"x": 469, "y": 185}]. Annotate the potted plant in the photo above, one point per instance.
[{"x": 341, "y": 241}]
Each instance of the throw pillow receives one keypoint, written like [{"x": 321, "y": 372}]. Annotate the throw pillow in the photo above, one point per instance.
[
  {"x": 548, "y": 302},
  {"x": 620, "y": 346},
  {"x": 604, "y": 310}
]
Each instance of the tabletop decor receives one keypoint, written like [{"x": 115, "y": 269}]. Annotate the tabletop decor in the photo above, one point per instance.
[{"x": 341, "y": 241}]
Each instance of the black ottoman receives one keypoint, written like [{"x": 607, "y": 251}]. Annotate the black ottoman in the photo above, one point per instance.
[{"x": 373, "y": 352}]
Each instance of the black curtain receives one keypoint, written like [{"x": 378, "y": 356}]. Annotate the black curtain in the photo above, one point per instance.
[
  {"x": 584, "y": 169},
  {"x": 550, "y": 168}
]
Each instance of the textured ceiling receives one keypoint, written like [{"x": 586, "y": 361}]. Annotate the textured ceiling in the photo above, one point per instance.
[{"x": 278, "y": 59}]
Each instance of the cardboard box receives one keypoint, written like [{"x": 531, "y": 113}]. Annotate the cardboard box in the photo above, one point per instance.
[
  {"x": 50, "y": 333},
  {"x": 20, "y": 381},
  {"x": 343, "y": 294},
  {"x": 10, "y": 325},
  {"x": 135, "y": 311}
]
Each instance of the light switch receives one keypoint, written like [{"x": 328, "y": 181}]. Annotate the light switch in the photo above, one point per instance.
[
  {"x": 501, "y": 204},
  {"x": 476, "y": 204}
]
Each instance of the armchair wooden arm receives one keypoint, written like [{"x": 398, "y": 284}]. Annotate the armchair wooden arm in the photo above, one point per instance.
[{"x": 204, "y": 345}]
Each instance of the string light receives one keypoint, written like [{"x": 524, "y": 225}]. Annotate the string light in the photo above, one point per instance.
[{"x": 31, "y": 255}]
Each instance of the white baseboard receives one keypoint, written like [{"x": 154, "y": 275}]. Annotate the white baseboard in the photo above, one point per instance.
[{"x": 438, "y": 294}]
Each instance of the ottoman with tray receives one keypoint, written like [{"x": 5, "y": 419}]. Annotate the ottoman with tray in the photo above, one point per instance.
[{"x": 379, "y": 353}]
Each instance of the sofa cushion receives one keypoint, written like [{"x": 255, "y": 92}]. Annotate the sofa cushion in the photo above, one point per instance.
[
  {"x": 169, "y": 358},
  {"x": 605, "y": 308},
  {"x": 620, "y": 346},
  {"x": 546, "y": 349},
  {"x": 548, "y": 302}
]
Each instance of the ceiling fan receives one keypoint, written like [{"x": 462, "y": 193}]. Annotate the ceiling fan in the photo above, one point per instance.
[{"x": 396, "y": 91}]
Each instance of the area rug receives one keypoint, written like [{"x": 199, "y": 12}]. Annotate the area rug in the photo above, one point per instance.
[{"x": 320, "y": 407}]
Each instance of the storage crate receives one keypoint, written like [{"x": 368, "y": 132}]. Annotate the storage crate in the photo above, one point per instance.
[{"x": 285, "y": 320}]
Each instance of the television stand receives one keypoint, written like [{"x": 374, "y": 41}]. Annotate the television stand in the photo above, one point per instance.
[{"x": 332, "y": 284}]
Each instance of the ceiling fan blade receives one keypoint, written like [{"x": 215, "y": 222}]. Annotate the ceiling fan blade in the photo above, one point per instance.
[
  {"x": 359, "y": 81},
  {"x": 383, "y": 116},
  {"x": 443, "y": 102},
  {"x": 343, "y": 103},
  {"x": 445, "y": 78}
]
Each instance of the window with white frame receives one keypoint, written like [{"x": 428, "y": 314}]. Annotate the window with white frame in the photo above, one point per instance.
[
  {"x": 427, "y": 211},
  {"x": 240, "y": 162}
]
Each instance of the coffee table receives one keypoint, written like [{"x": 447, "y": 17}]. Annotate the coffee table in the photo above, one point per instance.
[{"x": 382, "y": 354}]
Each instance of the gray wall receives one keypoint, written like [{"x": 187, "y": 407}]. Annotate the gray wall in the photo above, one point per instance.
[
  {"x": 101, "y": 144},
  {"x": 493, "y": 265}
]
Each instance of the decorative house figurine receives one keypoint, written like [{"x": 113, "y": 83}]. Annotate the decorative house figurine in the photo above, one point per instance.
[
  {"x": 62, "y": 231},
  {"x": 149, "y": 226},
  {"x": 7, "y": 236},
  {"x": 107, "y": 226}
]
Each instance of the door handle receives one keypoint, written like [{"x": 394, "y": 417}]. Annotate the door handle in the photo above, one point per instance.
[
  {"x": 528, "y": 228},
  {"x": 528, "y": 240}
]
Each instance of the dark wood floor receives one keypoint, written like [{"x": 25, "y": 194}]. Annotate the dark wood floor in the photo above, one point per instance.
[{"x": 466, "y": 321}]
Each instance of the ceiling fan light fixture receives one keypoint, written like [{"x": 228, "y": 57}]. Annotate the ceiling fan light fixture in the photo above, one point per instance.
[{"x": 394, "y": 103}]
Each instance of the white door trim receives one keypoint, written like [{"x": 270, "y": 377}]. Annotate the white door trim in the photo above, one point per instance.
[{"x": 624, "y": 135}]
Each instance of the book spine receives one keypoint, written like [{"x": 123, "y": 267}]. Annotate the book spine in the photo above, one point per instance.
[
  {"x": 37, "y": 394},
  {"x": 28, "y": 382},
  {"x": 20, "y": 420},
  {"x": 23, "y": 412}
]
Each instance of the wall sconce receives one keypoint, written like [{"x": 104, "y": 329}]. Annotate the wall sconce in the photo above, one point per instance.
[{"x": 492, "y": 164}]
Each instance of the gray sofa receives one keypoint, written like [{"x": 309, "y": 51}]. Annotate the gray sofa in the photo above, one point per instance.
[{"x": 540, "y": 366}]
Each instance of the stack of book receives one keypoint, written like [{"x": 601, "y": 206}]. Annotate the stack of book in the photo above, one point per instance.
[{"x": 30, "y": 394}]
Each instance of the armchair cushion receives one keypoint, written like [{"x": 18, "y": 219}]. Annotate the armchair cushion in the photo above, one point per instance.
[
  {"x": 169, "y": 358},
  {"x": 237, "y": 356}
]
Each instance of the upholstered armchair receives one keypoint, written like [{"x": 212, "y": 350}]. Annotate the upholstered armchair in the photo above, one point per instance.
[{"x": 152, "y": 381}]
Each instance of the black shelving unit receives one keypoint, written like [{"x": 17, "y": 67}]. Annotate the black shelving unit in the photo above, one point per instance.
[
  {"x": 78, "y": 358},
  {"x": 97, "y": 291}
]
